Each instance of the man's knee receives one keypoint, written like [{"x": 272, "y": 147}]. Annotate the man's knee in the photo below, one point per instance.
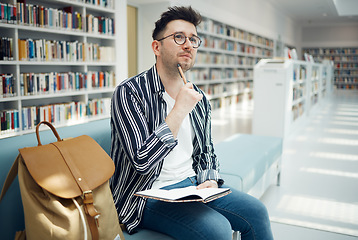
[{"x": 217, "y": 228}]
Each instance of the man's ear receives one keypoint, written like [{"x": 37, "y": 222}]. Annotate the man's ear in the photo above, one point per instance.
[{"x": 155, "y": 47}]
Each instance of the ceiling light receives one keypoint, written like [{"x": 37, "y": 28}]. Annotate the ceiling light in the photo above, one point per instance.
[{"x": 346, "y": 7}]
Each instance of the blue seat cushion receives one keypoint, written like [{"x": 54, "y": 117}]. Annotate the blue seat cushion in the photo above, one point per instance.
[
  {"x": 245, "y": 158},
  {"x": 144, "y": 234}
]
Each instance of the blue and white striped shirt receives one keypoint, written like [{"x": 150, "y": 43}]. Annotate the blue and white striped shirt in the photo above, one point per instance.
[{"x": 141, "y": 139}]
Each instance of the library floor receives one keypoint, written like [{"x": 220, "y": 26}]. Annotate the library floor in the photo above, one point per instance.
[{"x": 318, "y": 196}]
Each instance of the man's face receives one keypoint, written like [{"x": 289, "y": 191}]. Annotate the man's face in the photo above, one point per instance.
[{"x": 172, "y": 53}]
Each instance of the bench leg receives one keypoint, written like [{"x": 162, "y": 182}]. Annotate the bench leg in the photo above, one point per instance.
[
  {"x": 236, "y": 236},
  {"x": 278, "y": 183}
]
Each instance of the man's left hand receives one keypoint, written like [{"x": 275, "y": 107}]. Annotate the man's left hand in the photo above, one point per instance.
[{"x": 208, "y": 184}]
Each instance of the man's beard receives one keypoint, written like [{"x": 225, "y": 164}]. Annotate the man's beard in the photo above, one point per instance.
[{"x": 186, "y": 66}]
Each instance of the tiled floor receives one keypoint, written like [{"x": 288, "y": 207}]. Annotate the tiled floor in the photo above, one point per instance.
[{"x": 318, "y": 196}]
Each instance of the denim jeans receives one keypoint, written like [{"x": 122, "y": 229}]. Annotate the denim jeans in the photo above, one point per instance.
[{"x": 215, "y": 220}]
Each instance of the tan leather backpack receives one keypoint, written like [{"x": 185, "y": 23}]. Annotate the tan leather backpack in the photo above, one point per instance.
[{"x": 65, "y": 191}]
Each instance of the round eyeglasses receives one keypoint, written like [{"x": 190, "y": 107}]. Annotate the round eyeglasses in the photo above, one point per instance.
[{"x": 180, "y": 39}]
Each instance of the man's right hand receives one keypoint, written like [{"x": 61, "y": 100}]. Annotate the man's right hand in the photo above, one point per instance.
[
  {"x": 185, "y": 102},
  {"x": 186, "y": 99}
]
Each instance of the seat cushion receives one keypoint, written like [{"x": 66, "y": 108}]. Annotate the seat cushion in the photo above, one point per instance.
[
  {"x": 245, "y": 158},
  {"x": 144, "y": 234}
]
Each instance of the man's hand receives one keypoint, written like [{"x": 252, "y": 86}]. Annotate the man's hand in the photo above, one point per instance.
[
  {"x": 208, "y": 184},
  {"x": 185, "y": 102},
  {"x": 186, "y": 99}
]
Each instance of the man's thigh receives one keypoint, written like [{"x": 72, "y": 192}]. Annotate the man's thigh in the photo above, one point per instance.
[
  {"x": 246, "y": 214},
  {"x": 190, "y": 220}
]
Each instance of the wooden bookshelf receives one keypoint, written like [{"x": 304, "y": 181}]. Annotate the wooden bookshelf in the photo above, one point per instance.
[
  {"x": 345, "y": 63},
  {"x": 59, "y": 64},
  {"x": 225, "y": 61}
]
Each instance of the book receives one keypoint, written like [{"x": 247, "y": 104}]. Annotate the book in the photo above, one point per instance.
[{"x": 187, "y": 194}]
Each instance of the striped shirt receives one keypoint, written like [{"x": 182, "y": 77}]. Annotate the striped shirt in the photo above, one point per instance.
[{"x": 141, "y": 139}]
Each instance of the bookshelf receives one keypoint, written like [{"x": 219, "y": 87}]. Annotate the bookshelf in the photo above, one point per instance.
[
  {"x": 315, "y": 84},
  {"x": 57, "y": 62},
  {"x": 225, "y": 61},
  {"x": 285, "y": 93},
  {"x": 345, "y": 63}
]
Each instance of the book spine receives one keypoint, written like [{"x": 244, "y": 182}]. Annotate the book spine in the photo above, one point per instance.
[{"x": 1, "y": 86}]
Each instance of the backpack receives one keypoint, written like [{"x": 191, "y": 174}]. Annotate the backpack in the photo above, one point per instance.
[{"x": 65, "y": 191}]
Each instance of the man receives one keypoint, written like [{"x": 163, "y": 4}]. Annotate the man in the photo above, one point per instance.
[{"x": 161, "y": 138}]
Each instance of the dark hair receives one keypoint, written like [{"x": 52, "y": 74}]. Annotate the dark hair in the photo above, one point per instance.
[{"x": 176, "y": 13}]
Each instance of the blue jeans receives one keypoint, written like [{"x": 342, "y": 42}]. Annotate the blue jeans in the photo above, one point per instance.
[{"x": 215, "y": 220}]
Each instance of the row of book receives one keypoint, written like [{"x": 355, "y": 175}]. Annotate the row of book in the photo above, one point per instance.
[
  {"x": 346, "y": 65},
  {"x": 209, "y": 25},
  {"x": 347, "y": 86},
  {"x": 225, "y": 102},
  {"x": 227, "y": 45},
  {"x": 344, "y": 58},
  {"x": 314, "y": 87},
  {"x": 10, "y": 121},
  {"x": 102, "y": 3},
  {"x": 6, "y": 49},
  {"x": 207, "y": 58},
  {"x": 346, "y": 80},
  {"x": 332, "y": 51},
  {"x": 7, "y": 13},
  {"x": 315, "y": 73},
  {"x": 66, "y": 18},
  {"x": 228, "y": 89},
  {"x": 7, "y": 85},
  {"x": 212, "y": 74},
  {"x": 54, "y": 82},
  {"x": 52, "y": 50},
  {"x": 299, "y": 73},
  {"x": 298, "y": 92},
  {"x": 103, "y": 25},
  {"x": 58, "y": 114},
  {"x": 346, "y": 72},
  {"x": 298, "y": 110}
]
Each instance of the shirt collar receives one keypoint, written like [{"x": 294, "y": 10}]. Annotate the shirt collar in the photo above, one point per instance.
[{"x": 156, "y": 83}]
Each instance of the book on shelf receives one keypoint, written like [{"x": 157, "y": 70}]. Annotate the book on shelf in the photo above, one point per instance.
[
  {"x": 6, "y": 49},
  {"x": 61, "y": 113},
  {"x": 187, "y": 194},
  {"x": 7, "y": 85},
  {"x": 51, "y": 50},
  {"x": 9, "y": 121},
  {"x": 8, "y": 13}
]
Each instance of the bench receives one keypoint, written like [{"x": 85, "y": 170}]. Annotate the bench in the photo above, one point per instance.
[{"x": 248, "y": 163}]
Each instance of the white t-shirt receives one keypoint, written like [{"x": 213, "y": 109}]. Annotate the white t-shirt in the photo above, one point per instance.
[{"x": 177, "y": 164}]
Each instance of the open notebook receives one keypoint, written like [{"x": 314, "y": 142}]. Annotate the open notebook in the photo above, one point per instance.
[{"x": 187, "y": 194}]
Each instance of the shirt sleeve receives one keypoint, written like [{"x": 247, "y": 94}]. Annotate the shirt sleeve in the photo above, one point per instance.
[
  {"x": 144, "y": 147},
  {"x": 206, "y": 164}
]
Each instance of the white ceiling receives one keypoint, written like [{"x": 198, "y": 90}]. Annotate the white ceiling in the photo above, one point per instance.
[
  {"x": 346, "y": 7},
  {"x": 307, "y": 12},
  {"x": 318, "y": 11}
]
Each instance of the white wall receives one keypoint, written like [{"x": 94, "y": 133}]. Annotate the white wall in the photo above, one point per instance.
[
  {"x": 121, "y": 42},
  {"x": 256, "y": 16},
  {"x": 148, "y": 14},
  {"x": 330, "y": 36}
]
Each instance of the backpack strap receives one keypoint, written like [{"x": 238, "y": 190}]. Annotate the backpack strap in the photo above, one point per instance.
[
  {"x": 10, "y": 177},
  {"x": 88, "y": 202}
]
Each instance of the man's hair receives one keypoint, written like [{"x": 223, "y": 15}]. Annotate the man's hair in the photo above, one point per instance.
[{"x": 176, "y": 13}]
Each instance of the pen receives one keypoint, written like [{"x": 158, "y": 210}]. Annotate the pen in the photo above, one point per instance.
[{"x": 181, "y": 73}]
